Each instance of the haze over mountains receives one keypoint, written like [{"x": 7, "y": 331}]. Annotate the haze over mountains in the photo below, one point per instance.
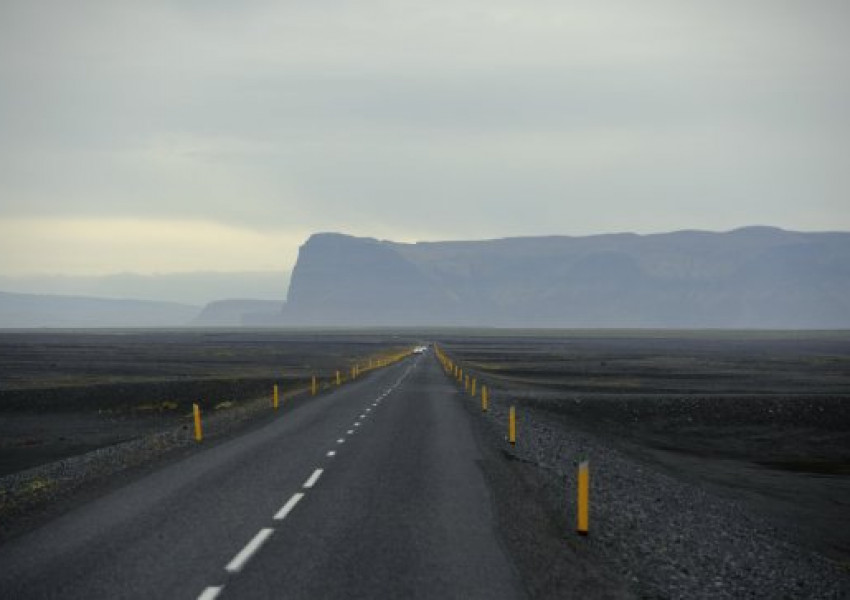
[
  {"x": 203, "y": 299},
  {"x": 195, "y": 288},
  {"x": 32, "y": 311},
  {"x": 755, "y": 277}
]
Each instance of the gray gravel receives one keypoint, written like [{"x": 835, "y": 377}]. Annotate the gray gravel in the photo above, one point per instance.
[
  {"x": 667, "y": 538},
  {"x": 25, "y": 494}
]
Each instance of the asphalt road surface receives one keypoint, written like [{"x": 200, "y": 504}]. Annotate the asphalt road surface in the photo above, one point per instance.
[{"x": 371, "y": 491}]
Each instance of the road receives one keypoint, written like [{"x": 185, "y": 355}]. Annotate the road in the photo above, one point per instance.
[{"x": 372, "y": 490}]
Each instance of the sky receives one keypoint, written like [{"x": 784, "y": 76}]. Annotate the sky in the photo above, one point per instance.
[{"x": 204, "y": 135}]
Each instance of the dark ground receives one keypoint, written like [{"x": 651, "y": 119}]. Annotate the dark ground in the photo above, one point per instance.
[
  {"x": 759, "y": 419},
  {"x": 64, "y": 393},
  {"x": 762, "y": 418}
]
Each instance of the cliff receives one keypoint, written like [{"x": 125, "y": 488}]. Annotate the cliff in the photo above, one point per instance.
[{"x": 755, "y": 277}]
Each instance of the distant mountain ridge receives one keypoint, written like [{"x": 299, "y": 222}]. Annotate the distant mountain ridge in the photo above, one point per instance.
[
  {"x": 25, "y": 311},
  {"x": 195, "y": 288},
  {"x": 33, "y": 310},
  {"x": 754, "y": 277},
  {"x": 236, "y": 312}
]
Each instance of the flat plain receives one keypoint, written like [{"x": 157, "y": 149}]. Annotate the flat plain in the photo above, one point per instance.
[
  {"x": 762, "y": 418},
  {"x": 65, "y": 392},
  {"x": 720, "y": 460}
]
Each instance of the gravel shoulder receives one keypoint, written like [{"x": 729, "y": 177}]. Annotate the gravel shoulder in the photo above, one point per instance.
[
  {"x": 669, "y": 519},
  {"x": 656, "y": 529},
  {"x": 33, "y": 496},
  {"x": 81, "y": 411}
]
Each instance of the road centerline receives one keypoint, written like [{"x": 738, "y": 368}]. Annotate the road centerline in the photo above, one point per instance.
[
  {"x": 313, "y": 478},
  {"x": 235, "y": 565},
  {"x": 287, "y": 508},
  {"x": 211, "y": 592}
]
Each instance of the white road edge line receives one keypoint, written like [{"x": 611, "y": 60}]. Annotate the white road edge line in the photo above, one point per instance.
[
  {"x": 357, "y": 424},
  {"x": 350, "y": 432},
  {"x": 211, "y": 593},
  {"x": 340, "y": 441},
  {"x": 331, "y": 453},
  {"x": 313, "y": 478},
  {"x": 287, "y": 508},
  {"x": 235, "y": 565}
]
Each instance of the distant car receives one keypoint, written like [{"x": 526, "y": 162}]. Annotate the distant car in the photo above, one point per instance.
[{"x": 420, "y": 350}]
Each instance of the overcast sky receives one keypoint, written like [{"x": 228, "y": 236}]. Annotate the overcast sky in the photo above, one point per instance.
[{"x": 217, "y": 135}]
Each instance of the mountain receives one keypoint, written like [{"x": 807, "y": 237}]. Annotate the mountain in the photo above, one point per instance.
[
  {"x": 238, "y": 312},
  {"x": 195, "y": 288},
  {"x": 31, "y": 310},
  {"x": 754, "y": 277}
]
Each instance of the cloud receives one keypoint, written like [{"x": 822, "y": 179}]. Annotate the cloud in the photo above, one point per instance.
[
  {"x": 429, "y": 120},
  {"x": 94, "y": 246}
]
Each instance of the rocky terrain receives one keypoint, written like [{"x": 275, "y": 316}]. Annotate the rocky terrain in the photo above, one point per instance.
[
  {"x": 720, "y": 462},
  {"x": 701, "y": 487},
  {"x": 79, "y": 407}
]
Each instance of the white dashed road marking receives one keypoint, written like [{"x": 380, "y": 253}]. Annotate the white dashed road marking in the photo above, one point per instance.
[
  {"x": 239, "y": 561},
  {"x": 235, "y": 565},
  {"x": 287, "y": 508},
  {"x": 313, "y": 478},
  {"x": 211, "y": 593}
]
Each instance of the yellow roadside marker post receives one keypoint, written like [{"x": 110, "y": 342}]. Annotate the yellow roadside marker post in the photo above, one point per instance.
[
  {"x": 275, "y": 397},
  {"x": 338, "y": 379},
  {"x": 583, "y": 497},
  {"x": 484, "y": 398},
  {"x": 466, "y": 383},
  {"x": 474, "y": 384},
  {"x": 313, "y": 387},
  {"x": 196, "y": 412},
  {"x": 512, "y": 426}
]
